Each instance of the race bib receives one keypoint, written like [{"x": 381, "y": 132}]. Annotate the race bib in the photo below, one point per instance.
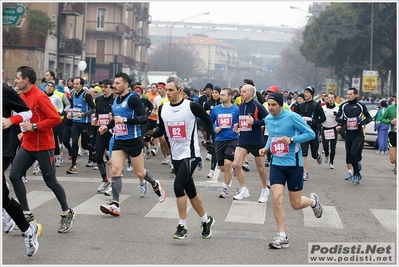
[
  {"x": 329, "y": 134},
  {"x": 225, "y": 121},
  {"x": 71, "y": 113},
  {"x": 351, "y": 124},
  {"x": 279, "y": 149},
  {"x": 177, "y": 130},
  {"x": 120, "y": 129},
  {"x": 21, "y": 126},
  {"x": 306, "y": 119},
  {"x": 103, "y": 119},
  {"x": 243, "y": 124}
]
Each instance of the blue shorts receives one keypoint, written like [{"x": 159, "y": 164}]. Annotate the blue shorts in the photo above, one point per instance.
[{"x": 292, "y": 175}]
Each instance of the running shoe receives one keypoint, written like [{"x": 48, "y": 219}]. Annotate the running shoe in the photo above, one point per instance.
[
  {"x": 360, "y": 166},
  {"x": 148, "y": 153},
  {"x": 111, "y": 208},
  {"x": 154, "y": 151},
  {"x": 318, "y": 209},
  {"x": 279, "y": 242},
  {"x": 72, "y": 170},
  {"x": 306, "y": 176},
  {"x": 158, "y": 189},
  {"x": 207, "y": 227},
  {"x": 234, "y": 172},
  {"x": 108, "y": 191},
  {"x": 331, "y": 166},
  {"x": 89, "y": 163},
  {"x": 356, "y": 179},
  {"x": 210, "y": 174},
  {"x": 95, "y": 167},
  {"x": 29, "y": 216},
  {"x": 264, "y": 195},
  {"x": 172, "y": 169},
  {"x": 103, "y": 186},
  {"x": 224, "y": 193},
  {"x": 129, "y": 168},
  {"x": 181, "y": 232},
  {"x": 31, "y": 242},
  {"x": 80, "y": 152},
  {"x": 200, "y": 165},
  {"x": 319, "y": 159},
  {"x": 143, "y": 189},
  {"x": 245, "y": 167},
  {"x": 66, "y": 221},
  {"x": 24, "y": 179},
  {"x": 58, "y": 162},
  {"x": 8, "y": 222},
  {"x": 394, "y": 169},
  {"x": 325, "y": 159},
  {"x": 267, "y": 163},
  {"x": 243, "y": 193},
  {"x": 106, "y": 158},
  {"x": 208, "y": 157},
  {"x": 349, "y": 176},
  {"x": 165, "y": 160}
]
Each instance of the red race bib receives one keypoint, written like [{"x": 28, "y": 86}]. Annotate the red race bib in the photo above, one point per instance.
[
  {"x": 278, "y": 148},
  {"x": 225, "y": 121},
  {"x": 243, "y": 124},
  {"x": 177, "y": 130}
]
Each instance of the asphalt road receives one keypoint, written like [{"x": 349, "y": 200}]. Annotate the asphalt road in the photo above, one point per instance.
[{"x": 143, "y": 233}]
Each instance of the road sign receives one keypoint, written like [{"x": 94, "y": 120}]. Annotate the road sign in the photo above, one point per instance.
[
  {"x": 356, "y": 83},
  {"x": 11, "y": 15},
  {"x": 370, "y": 81},
  {"x": 271, "y": 70},
  {"x": 222, "y": 68}
]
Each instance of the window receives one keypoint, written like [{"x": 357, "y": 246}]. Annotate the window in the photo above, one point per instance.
[
  {"x": 100, "y": 51},
  {"x": 101, "y": 18}
]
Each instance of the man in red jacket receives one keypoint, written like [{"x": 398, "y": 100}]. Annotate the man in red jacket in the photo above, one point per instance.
[{"x": 38, "y": 144}]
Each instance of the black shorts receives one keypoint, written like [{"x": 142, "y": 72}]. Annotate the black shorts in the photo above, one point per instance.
[
  {"x": 225, "y": 150},
  {"x": 292, "y": 175},
  {"x": 133, "y": 147},
  {"x": 253, "y": 149},
  {"x": 392, "y": 139},
  {"x": 151, "y": 125}
]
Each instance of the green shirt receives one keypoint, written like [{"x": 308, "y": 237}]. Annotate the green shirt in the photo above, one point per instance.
[{"x": 388, "y": 116}]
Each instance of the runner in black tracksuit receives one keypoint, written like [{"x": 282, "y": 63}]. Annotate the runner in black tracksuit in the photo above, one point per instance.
[{"x": 353, "y": 115}]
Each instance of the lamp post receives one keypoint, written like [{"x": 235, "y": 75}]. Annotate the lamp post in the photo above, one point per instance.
[
  {"x": 309, "y": 17},
  {"x": 371, "y": 37},
  {"x": 171, "y": 28}
]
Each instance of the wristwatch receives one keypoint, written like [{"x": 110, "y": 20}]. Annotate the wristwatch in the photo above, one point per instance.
[
  {"x": 292, "y": 139},
  {"x": 34, "y": 126},
  {"x": 124, "y": 119}
]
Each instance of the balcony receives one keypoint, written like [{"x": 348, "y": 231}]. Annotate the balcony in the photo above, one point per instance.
[
  {"x": 112, "y": 28},
  {"x": 72, "y": 9},
  {"x": 26, "y": 40},
  {"x": 69, "y": 47}
]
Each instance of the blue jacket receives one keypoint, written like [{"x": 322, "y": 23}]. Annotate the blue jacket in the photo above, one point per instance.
[{"x": 290, "y": 124}]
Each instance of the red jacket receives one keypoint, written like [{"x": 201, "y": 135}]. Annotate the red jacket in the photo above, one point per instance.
[{"x": 46, "y": 118}]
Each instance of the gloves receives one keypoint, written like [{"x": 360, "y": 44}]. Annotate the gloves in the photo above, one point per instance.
[
  {"x": 335, "y": 113},
  {"x": 209, "y": 147},
  {"x": 147, "y": 137}
]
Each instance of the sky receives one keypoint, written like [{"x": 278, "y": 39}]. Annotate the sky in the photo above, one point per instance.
[{"x": 266, "y": 13}]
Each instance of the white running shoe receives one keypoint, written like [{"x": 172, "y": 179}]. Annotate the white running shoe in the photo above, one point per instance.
[
  {"x": 210, "y": 174},
  {"x": 264, "y": 195},
  {"x": 331, "y": 166},
  {"x": 160, "y": 191},
  {"x": 129, "y": 168},
  {"x": 143, "y": 189},
  {"x": 208, "y": 157},
  {"x": 108, "y": 191},
  {"x": 165, "y": 160},
  {"x": 243, "y": 193},
  {"x": 102, "y": 187},
  {"x": 8, "y": 222},
  {"x": 148, "y": 153}
]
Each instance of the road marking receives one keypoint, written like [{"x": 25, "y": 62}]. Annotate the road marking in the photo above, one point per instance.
[
  {"x": 246, "y": 212},
  {"x": 386, "y": 217},
  {"x": 37, "y": 198},
  {"x": 330, "y": 218},
  {"x": 166, "y": 209},
  {"x": 92, "y": 205}
]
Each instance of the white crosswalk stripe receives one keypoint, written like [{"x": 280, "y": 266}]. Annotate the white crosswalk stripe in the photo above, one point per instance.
[
  {"x": 166, "y": 209},
  {"x": 246, "y": 212},
  {"x": 92, "y": 205},
  {"x": 387, "y": 218},
  {"x": 330, "y": 218}
]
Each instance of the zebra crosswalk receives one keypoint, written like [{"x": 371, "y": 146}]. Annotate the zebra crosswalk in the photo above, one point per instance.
[{"x": 242, "y": 211}]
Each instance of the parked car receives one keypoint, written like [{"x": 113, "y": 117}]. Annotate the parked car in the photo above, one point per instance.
[{"x": 371, "y": 137}]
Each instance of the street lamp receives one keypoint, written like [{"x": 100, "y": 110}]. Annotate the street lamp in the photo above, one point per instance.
[
  {"x": 309, "y": 17},
  {"x": 171, "y": 28}
]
